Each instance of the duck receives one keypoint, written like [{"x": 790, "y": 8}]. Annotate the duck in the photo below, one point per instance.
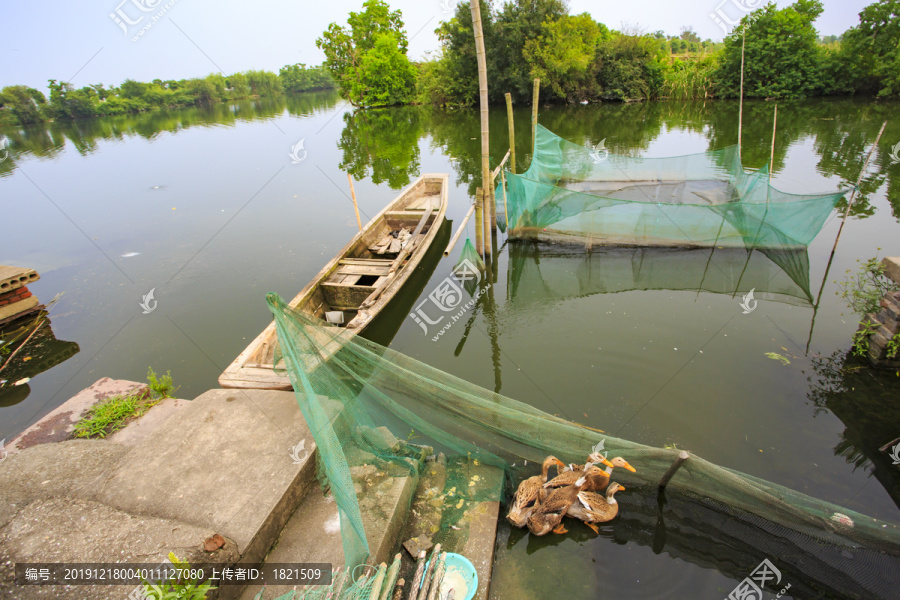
[
  {"x": 599, "y": 482},
  {"x": 551, "y": 506},
  {"x": 527, "y": 493},
  {"x": 573, "y": 472},
  {"x": 593, "y": 508}
]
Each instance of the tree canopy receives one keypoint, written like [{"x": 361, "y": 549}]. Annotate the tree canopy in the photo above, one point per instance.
[{"x": 368, "y": 57}]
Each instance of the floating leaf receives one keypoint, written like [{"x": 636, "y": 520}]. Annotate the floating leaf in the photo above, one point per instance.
[{"x": 775, "y": 356}]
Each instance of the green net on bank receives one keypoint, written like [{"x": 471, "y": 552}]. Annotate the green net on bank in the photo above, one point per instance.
[
  {"x": 375, "y": 412},
  {"x": 573, "y": 193}
]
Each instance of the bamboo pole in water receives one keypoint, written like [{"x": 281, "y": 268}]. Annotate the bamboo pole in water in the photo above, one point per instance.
[
  {"x": 355, "y": 206},
  {"x": 862, "y": 174},
  {"x": 461, "y": 228},
  {"x": 535, "y": 96},
  {"x": 772, "y": 156},
  {"x": 479, "y": 222},
  {"x": 483, "y": 93},
  {"x": 741, "y": 111},
  {"x": 512, "y": 134}
]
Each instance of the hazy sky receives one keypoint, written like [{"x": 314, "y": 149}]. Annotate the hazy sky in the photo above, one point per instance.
[{"x": 80, "y": 42}]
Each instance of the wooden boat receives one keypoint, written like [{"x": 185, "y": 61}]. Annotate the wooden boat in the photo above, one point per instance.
[{"x": 357, "y": 283}]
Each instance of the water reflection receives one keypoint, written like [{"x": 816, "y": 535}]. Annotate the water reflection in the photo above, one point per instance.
[
  {"x": 33, "y": 349},
  {"x": 547, "y": 274},
  {"x": 865, "y": 400},
  {"x": 48, "y": 140}
]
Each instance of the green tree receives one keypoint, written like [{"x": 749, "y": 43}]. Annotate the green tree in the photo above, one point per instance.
[
  {"x": 514, "y": 26},
  {"x": 782, "y": 57},
  {"x": 869, "y": 56},
  {"x": 630, "y": 66},
  {"x": 385, "y": 77},
  {"x": 345, "y": 49},
  {"x": 562, "y": 56},
  {"x": 25, "y": 103}
]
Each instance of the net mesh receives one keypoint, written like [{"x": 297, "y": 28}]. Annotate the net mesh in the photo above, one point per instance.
[
  {"x": 366, "y": 404},
  {"x": 587, "y": 195}
]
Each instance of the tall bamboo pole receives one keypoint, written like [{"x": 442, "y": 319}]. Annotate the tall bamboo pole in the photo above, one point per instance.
[
  {"x": 512, "y": 134},
  {"x": 479, "y": 222},
  {"x": 483, "y": 93},
  {"x": 862, "y": 174},
  {"x": 535, "y": 96},
  {"x": 772, "y": 157},
  {"x": 355, "y": 205},
  {"x": 741, "y": 112}
]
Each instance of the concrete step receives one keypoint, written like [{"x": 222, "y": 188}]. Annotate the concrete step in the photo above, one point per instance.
[
  {"x": 313, "y": 533},
  {"x": 453, "y": 494},
  {"x": 222, "y": 462}
]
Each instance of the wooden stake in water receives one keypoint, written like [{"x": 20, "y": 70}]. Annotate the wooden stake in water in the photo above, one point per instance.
[
  {"x": 355, "y": 206},
  {"x": 682, "y": 456},
  {"x": 512, "y": 134},
  {"x": 535, "y": 96},
  {"x": 772, "y": 156},
  {"x": 741, "y": 111},
  {"x": 479, "y": 222}
]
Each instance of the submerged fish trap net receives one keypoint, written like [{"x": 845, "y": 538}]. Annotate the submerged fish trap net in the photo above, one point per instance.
[
  {"x": 573, "y": 193},
  {"x": 367, "y": 405}
]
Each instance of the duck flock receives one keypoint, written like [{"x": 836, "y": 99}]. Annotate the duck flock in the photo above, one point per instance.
[{"x": 576, "y": 490}]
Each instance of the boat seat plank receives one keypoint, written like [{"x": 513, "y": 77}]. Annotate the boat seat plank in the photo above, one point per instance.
[
  {"x": 381, "y": 269},
  {"x": 365, "y": 261},
  {"x": 345, "y": 297}
]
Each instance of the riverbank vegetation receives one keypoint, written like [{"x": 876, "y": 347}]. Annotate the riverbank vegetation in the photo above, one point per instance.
[
  {"x": 579, "y": 59},
  {"x": 22, "y": 105}
]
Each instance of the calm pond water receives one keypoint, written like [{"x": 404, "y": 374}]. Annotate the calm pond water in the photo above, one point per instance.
[{"x": 208, "y": 209}]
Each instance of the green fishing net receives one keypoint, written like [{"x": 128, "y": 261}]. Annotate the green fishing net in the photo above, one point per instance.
[
  {"x": 573, "y": 193},
  {"x": 372, "y": 409}
]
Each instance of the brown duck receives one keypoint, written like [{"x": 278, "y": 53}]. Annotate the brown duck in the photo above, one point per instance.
[
  {"x": 574, "y": 472},
  {"x": 593, "y": 508},
  {"x": 527, "y": 493},
  {"x": 553, "y": 503}
]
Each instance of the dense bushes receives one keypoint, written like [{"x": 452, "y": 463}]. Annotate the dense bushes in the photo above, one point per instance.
[
  {"x": 20, "y": 105},
  {"x": 577, "y": 58}
]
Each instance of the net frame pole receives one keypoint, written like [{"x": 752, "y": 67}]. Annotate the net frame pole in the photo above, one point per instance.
[
  {"x": 772, "y": 156},
  {"x": 512, "y": 133},
  {"x": 741, "y": 110},
  {"x": 460, "y": 229},
  {"x": 355, "y": 205},
  {"x": 479, "y": 222},
  {"x": 837, "y": 238},
  {"x": 535, "y": 97}
]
